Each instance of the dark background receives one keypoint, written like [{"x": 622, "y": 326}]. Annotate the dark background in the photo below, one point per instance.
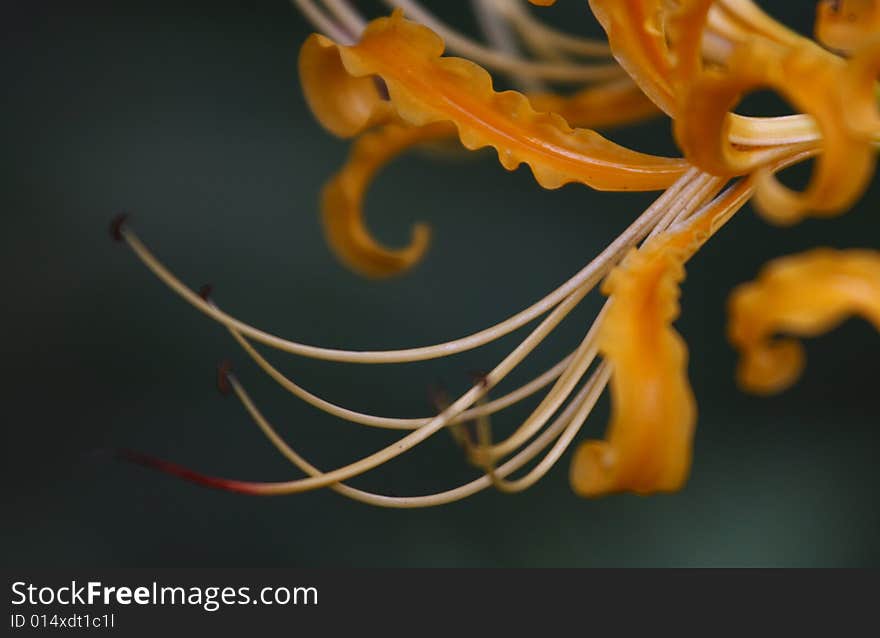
[{"x": 190, "y": 116}]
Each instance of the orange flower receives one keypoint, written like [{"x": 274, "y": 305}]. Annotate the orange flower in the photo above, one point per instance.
[{"x": 389, "y": 84}]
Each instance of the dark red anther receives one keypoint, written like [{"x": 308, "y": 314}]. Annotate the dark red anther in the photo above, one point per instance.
[
  {"x": 173, "y": 469},
  {"x": 206, "y": 291},
  {"x": 154, "y": 463},
  {"x": 479, "y": 377},
  {"x": 116, "y": 226},
  {"x": 381, "y": 88},
  {"x": 223, "y": 384}
]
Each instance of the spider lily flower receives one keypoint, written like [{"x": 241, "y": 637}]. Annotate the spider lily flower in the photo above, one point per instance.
[{"x": 390, "y": 84}]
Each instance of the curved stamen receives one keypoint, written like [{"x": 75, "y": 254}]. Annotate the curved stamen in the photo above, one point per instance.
[
  {"x": 430, "y": 500},
  {"x": 500, "y": 34},
  {"x": 347, "y": 15},
  {"x": 466, "y": 47},
  {"x": 370, "y": 420},
  {"x": 695, "y": 59},
  {"x": 392, "y": 423},
  {"x": 400, "y": 502},
  {"x": 691, "y": 200},
  {"x": 586, "y": 277},
  {"x": 533, "y": 30},
  {"x": 562, "y": 389},
  {"x": 420, "y": 435},
  {"x": 324, "y": 23},
  {"x": 583, "y": 405}
]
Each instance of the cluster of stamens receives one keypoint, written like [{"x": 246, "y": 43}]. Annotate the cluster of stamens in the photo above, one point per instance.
[{"x": 386, "y": 83}]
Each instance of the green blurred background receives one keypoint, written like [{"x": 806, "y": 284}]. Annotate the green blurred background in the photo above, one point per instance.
[{"x": 190, "y": 116}]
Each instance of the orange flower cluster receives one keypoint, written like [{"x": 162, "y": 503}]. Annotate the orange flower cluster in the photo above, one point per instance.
[{"x": 387, "y": 83}]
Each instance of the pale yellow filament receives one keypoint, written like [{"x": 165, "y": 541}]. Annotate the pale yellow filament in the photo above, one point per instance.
[
  {"x": 534, "y": 31},
  {"x": 466, "y": 47},
  {"x": 431, "y": 500},
  {"x": 392, "y": 423},
  {"x": 587, "y": 276}
]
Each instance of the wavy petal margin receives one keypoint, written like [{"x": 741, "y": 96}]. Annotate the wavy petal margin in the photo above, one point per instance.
[
  {"x": 425, "y": 88},
  {"x": 342, "y": 201},
  {"x": 806, "y": 295}
]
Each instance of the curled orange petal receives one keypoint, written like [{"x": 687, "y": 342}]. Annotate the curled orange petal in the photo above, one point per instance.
[
  {"x": 425, "y": 88},
  {"x": 342, "y": 198},
  {"x": 353, "y": 105},
  {"x": 662, "y": 46},
  {"x": 757, "y": 53},
  {"x": 703, "y": 126},
  {"x": 705, "y": 94},
  {"x": 810, "y": 79},
  {"x": 636, "y": 33},
  {"x": 342, "y": 201},
  {"x": 765, "y": 57},
  {"x": 647, "y": 447},
  {"x": 805, "y": 295}
]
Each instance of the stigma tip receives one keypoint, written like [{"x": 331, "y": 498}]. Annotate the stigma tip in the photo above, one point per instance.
[
  {"x": 154, "y": 463},
  {"x": 223, "y": 370},
  {"x": 479, "y": 377},
  {"x": 116, "y": 226},
  {"x": 206, "y": 291}
]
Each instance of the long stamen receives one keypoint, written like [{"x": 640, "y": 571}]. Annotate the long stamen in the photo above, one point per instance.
[
  {"x": 547, "y": 325},
  {"x": 466, "y": 47},
  {"x": 420, "y": 435},
  {"x": 392, "y": 423},
  {"x": 564, "y": 386},
  {"x": 535, "y": 31},
  {"x": 430, "y": 500},
  {"x": 692, "y": 59},
  {"x": 586, "y": 277},
  {"x": 466, "y": 490},
  {"x": 581, "y": 406},
  {"x": 408, "y": 442},
  {"x": 347, "y": 15},
  {"x": 348, "y": 25},
  {"x": 574, "y": 369},
  {"x": 324, "y": 23},
  {"x": 501, "y": 36},
  {"x": 691, "y": 200}
]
